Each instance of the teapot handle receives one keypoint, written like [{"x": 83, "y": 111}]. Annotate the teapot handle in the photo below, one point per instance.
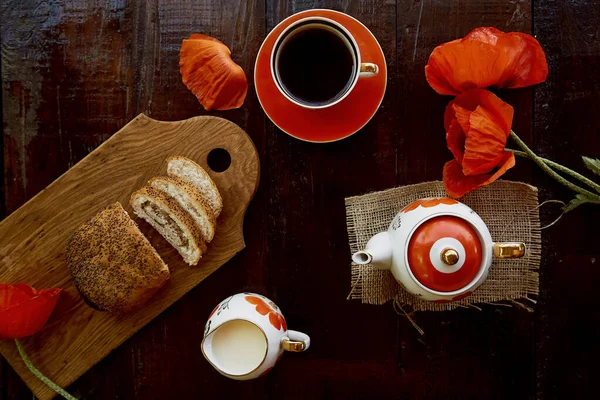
[
  {"x": 509, "y": 250},
  {"x": 295, "y": 341}
]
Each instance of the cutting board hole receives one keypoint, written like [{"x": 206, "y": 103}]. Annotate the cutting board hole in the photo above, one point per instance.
[{"x": 219, "y": 160}]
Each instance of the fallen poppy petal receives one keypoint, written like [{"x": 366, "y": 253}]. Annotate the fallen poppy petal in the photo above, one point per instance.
[
  {"x": 24, "y": 310},
  {"x": 458, "y": 184},
  {"x": 209, "y": 72}
]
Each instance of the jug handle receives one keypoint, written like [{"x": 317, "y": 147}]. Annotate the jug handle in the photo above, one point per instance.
[
  {"x": 509, "y": 250},
  {"x": 295, "y": 341}
]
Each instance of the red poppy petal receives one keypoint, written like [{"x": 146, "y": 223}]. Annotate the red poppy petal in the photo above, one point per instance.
[
  {"x": 527, "y": 61},
  {"x": 455, "y": 139},
  {"x": 486, "y": 57},
  {"x": 471, "y": 99},
  {"x": 12, "y": 295},
  {"x": 484, "y": 145},
  {"x": 526, "y": 64},
  {"x": 462, "y": 116},
  {"x": 457, "y": 184},
  {"x": 458, "y": 66},
  {"x": 488, "y": 35},
  {"x": 28, "y": 290},
  {"x": 501, "y": 111},
  {"x": 201, "y": 36},
  {"x": 209, "y": 72},
  {"x": 21, "y": 317},
  {"x": 437, "y": 69}
]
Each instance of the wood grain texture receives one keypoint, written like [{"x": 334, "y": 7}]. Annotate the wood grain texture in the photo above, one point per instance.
[
  {"x": 566, "y": 126},
  {"x": 75, "y": 71},
  {"x": 33, "y": 238}
]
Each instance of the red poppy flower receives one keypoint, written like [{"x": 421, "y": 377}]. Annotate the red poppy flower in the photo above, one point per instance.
[
  {"x": 477, "y": 126},
  {"x": 486, "y": 57},
  {"x": 209, "y": 72},
  {"x": 24, "y": 310},
  {"x": 263, "y": 308}
]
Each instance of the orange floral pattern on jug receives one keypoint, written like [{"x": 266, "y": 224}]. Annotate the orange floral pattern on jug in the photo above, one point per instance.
[
  {"x": 426, "y": 203},
  {"x": 263, "y": 308}
]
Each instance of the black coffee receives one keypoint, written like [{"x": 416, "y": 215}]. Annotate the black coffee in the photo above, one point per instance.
[{"x": 315, "y": 64}]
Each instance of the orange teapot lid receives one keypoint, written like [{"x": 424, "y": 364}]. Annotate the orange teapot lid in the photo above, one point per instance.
[{"x": 445, "y": 253}]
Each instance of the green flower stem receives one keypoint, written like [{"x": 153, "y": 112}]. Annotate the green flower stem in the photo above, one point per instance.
[
  {"x": 550, "y": 171},
  {"x": 41, "y": 376},
  {"x": 561, "y": 168}
]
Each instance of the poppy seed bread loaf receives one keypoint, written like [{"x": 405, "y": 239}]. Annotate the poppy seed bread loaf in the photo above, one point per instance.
[{"x": 112, "y": 264}]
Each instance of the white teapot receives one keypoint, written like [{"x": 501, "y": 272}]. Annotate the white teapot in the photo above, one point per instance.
[{"x": 438, "y": 249}]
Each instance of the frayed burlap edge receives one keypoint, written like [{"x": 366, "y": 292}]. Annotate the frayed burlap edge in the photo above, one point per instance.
[{"x": 510, "y": 209}]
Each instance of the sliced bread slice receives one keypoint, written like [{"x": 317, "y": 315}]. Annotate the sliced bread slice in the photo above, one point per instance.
[
  {"x": 191, "y": 200},
  {"x": 171, "y": 221},
  {"x": 113, "y": 266},
  {"x": 187, "y": 170}
]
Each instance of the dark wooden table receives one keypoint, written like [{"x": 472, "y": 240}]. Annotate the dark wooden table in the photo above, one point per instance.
[{"x": 74, "y": 72}]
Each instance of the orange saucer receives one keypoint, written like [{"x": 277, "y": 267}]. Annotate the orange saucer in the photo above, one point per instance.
[{"x": 327, "y": 124}]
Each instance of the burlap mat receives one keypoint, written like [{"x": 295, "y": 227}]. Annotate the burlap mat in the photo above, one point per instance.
[{"x": 510, "y": 210}]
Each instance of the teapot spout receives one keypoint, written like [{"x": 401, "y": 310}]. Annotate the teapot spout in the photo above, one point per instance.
[{"x": 378, "y": 252}]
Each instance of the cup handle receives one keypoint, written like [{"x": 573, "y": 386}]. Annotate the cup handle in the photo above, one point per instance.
[
  {"x": 509, "y": 250},
  {"x": 368, "y": 69},
  {"x": 295, "y": 341}
]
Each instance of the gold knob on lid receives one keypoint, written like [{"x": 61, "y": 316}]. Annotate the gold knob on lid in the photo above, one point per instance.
[{"x": 449, "y": 256}]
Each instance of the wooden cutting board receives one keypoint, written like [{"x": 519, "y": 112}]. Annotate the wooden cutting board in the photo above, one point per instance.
[{"x": 33, "y": 238}]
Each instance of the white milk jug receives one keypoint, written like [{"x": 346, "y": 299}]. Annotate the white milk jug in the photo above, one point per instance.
[{"x": 246, "y": 335}]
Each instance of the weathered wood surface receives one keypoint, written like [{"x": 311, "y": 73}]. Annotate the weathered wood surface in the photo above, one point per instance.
[{"x": 74, "y": 72}]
